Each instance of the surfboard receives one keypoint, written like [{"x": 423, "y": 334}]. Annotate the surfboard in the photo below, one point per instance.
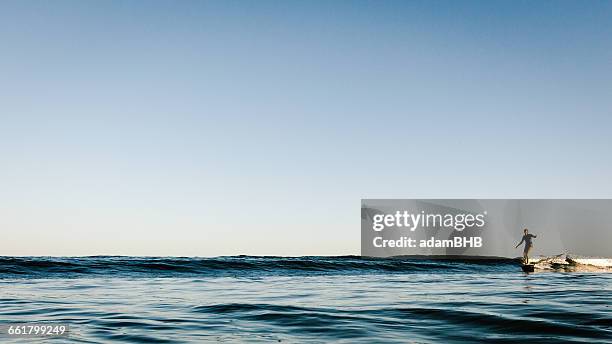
[{"x": 528, "y": 267}]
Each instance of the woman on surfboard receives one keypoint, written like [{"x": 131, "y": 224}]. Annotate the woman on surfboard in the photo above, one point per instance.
[{"x": 528, "y": 244}]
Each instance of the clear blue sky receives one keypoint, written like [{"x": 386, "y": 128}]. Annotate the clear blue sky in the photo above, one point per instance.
[{"x": 216, "y": 128}]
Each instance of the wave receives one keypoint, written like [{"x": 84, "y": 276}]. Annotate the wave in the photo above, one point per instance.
[
  {"x": 49, "y": 267},
  {"x": 238, "y": 266},
  {"x": 573, "y": 263},
  {"x": 333, "y": 321}
]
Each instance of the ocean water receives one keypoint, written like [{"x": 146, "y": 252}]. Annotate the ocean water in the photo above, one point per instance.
[{"x": 304, "y": 300}]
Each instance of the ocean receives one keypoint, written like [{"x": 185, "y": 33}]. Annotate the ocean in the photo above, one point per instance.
[{"x": 346, "y": 299}]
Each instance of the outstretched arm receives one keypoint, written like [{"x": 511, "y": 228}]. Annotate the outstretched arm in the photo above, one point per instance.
[{"x": 519, "y": 244}]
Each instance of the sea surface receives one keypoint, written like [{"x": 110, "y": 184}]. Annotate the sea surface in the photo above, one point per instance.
[{"x": 345, "y": 299}]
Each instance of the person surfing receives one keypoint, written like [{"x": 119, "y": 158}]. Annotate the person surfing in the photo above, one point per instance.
[{"x": 528, "y": 244}]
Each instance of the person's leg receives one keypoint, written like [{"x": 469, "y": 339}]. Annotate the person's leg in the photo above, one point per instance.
[{"x": 526, "y": 254}]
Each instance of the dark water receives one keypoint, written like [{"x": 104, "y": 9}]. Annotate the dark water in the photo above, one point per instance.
[{"x": 307, "y": 299}]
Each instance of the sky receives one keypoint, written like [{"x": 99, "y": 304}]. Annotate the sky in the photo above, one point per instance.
[{"x": 206, "y": 128}]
